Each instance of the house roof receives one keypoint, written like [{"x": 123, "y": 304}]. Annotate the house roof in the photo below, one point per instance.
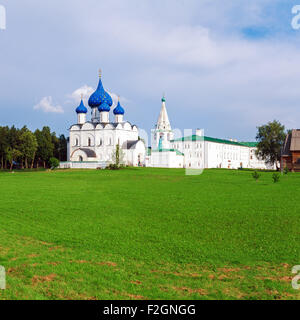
[
  {"x": 295, "y": 141},
  {"x": 129, "y": 144},
  {"x": 292, "y": 143},
  {"x": 90, "y": 153},
  {"x": 287, "y": 146}
]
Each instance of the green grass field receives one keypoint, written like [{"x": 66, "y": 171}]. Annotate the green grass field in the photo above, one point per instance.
[{"x": 149, "y": 234}]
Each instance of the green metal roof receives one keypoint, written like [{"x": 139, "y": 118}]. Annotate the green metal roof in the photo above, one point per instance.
[
  {"x": 204, "y": 138},
  {"x": 249, "y": 144},
  {"x": 169, "y": 150}
]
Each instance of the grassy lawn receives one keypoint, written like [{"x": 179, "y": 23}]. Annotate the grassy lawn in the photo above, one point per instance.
[{"x": 149, "y": 234}]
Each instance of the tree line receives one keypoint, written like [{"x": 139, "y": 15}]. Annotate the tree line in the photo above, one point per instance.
[{"x": 23, "y": 148}]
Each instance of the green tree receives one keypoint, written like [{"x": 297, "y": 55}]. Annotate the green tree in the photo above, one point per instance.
[
  {"x": 63, "y": 143},
  {"x": 256, "y": 175},
  {"x": 45, "y": 145},
  {"x": 12, "y": 156},
  {"x": 28, "y": 146},
  {"x": 118, "y": 156},
  {"x": 4, "y": 144},
  {"x": 54, "y": 162},
  {"x": 55, "y": 142},
  {"x": 270, "y": 139}
]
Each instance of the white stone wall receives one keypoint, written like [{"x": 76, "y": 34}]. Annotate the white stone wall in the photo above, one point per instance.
[
  {"x": 207, "y": 154},
  {"x": 83, "y": 165},
  {"x": 166, "y": 159}
]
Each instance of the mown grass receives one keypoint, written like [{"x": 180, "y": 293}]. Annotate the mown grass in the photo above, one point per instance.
[{"x": 149, "y": 234}]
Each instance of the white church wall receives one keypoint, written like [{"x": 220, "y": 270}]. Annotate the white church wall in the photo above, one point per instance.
[{"x": 166, "y": 159}]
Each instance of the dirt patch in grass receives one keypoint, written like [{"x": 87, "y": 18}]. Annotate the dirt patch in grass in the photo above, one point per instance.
[
  {"x": 107, "y": 263},
  {"x": 227, "y": 270},
  {"x": 56, "y": 248},
  {"x": 202, "y": 292},
  {"x": 136, "y": 282},
  {"x": 53, "y": 263},
  {"x": 40, "y": 279},
  {"x": 135, "y": 297},
  {"x": 104, "y": 263}
]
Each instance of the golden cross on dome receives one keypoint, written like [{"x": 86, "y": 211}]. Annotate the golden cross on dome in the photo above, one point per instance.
[
  {"x": 100, "y": 73},
  {"x": 81, "y": 96}
]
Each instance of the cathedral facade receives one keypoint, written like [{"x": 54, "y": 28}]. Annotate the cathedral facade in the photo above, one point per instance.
[{"x": 93, "y": 143}]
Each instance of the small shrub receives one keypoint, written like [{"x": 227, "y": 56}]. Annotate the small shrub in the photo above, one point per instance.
[
  {"x": 276, "y": 177},
  {"x": 113, "y": 166},
  {"x": 256, "y": 175},
  {"x": 54, "y": 163},
  {"x": 286, "y": 170}
]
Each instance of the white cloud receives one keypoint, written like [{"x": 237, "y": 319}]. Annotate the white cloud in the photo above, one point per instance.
[
  {"x": 84, "y": 91},
  {"x": 47, "y": 105}
]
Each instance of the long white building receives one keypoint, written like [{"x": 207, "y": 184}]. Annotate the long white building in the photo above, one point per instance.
[{"x": 198, "y": 151}]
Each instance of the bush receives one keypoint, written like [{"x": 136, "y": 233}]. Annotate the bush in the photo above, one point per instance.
[
  {"x": 256, "y": 175},
  {"x": 113, "y": 166},
  {"x": 276, "y": 177},
  {"x": 54, "y": 163},
  {"x": 286, "y": 170}
]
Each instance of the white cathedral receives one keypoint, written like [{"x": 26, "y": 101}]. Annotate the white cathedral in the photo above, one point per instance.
[{"x": 92, "y": 144}]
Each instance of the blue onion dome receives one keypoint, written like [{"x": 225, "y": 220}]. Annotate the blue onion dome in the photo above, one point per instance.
[
  {"x": 104, "y": 107},
  {"x": 119, "y": 109},
  {"x": 108, "y": 99},
  {"x": 81, "y": 108},
  {"x": 98, "y": 96}
]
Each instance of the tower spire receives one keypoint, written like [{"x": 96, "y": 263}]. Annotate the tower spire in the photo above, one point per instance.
[{"x": 163, "y": 122}]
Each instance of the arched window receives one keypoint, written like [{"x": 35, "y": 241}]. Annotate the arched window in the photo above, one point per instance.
[
  {"x": 76, "y": 142},
  {"x": 100, "y": 143},
  {"x": 89, "y": 142},
  {"x": 80, "y": 158}
]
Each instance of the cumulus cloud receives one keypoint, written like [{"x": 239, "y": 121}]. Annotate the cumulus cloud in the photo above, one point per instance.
[
  {"x": 46, "y": 105},
  {"x": 196, "y": 51},
  {"x": 84, "y": 91}
]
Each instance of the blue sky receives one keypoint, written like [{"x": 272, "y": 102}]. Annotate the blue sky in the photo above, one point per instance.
[{"x": 225, "y": 66}]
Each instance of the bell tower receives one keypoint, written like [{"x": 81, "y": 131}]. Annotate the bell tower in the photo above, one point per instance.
[{"x": 162, "y": 134}]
